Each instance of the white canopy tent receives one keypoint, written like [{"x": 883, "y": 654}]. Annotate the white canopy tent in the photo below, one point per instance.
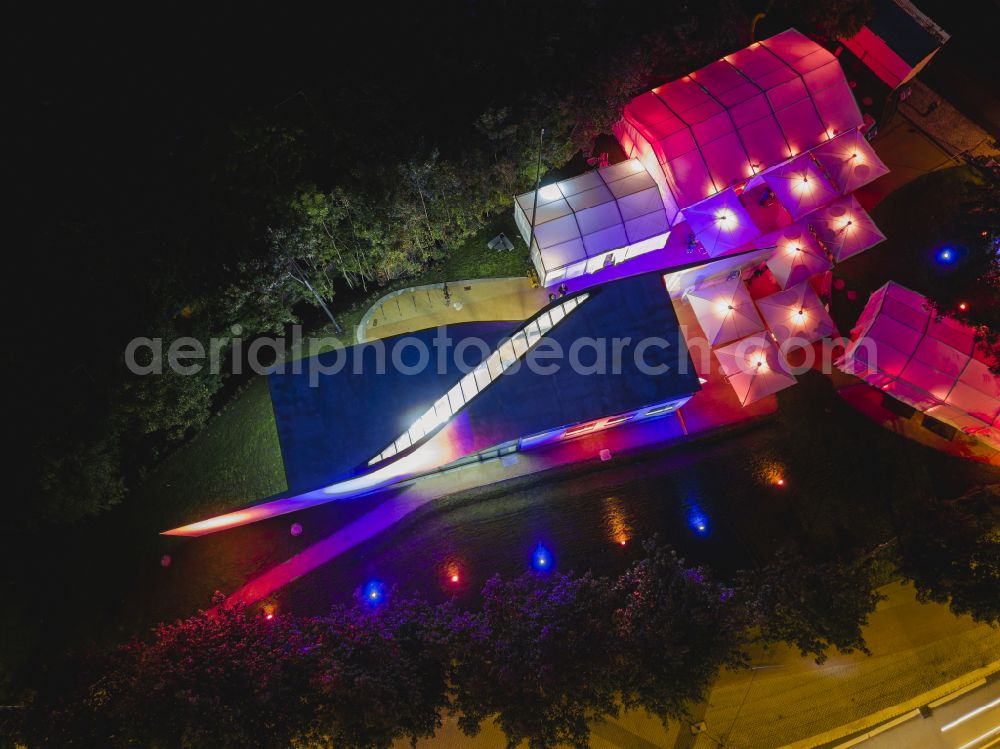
[
  {"x": 721, "y": 223},
  {"x": 754, "y": 368},
  {"x": 797, "y": 255},
  {"x": 796, "y": 313},
  {"x": 845, "y": 228},
  {"x": 596, "y": 219},
  {"x": 725, "y": 311},
  {"x": 800, "y": 186},
  {"x": 849, "y": 161},
  {"x": 934, "y": 365}
]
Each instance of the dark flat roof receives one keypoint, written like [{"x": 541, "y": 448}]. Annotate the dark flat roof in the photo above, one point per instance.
[
  {"x": 329, "y": 432},
  {"x": 902, "y": 32}
]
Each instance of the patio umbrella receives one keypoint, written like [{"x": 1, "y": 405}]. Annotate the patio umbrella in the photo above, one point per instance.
[
  {"x": 849, "y": 161},
  {"x": 845, "y": 228},
  {"x": 797, "y": 255},
  {"x": 800, "y": 186},
  {"x": 725, "y": 311},
  {"x": 721, "y": 223},
  {"x": 754, "y": 368},
  {"x": 796, "y": 313}
]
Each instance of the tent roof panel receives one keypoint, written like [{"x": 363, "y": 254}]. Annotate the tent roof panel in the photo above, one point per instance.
[
  {"x": 598, "y": 218},
  {"x": 953, "y": 333},
  {"x": 977, "y": 375},
  {"x": 634, "y": 183},
  {"x": 755, "y": 62},
  {"x": 796, "y": 257},
  {"x": 685, "y": 97},
  {"x": 580, "y": 184},
  {"x": 800, "y": 186},
  {"x": 928, "y": 379},
  {"x": 941, "y": 356},
  {"x": 719, "y": 78},
  {"x": 850, "y": 161},
  {"x": 725, "y": 311},
  {"x": 599, "y": 241},
  {"x": 641, "y": 203},
  {"x": 581, "y": 201},
  {"x": 648, "y": 109},
  {"x": 754, "y": 368},
  {"x": 796, "y": 313},
  {"x": 792, "y": 46}
]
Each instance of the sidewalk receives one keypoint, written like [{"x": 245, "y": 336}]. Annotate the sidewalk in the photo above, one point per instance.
[{"x": 420, "y": 307}]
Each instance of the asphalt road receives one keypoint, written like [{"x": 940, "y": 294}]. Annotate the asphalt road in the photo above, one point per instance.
[{"x": 970, "y": 722}]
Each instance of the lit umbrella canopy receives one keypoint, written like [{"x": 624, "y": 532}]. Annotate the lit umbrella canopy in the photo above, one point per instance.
[
  {"x": 797, "y": 255},
  {"x": 725, "y": 311},
  {"x": 796, "y": 313},
  {"x": 845, "y": 228},
  {"x": 754, "y": 368},
  {"x": 721, "y": 223},
  {"x": 800, "y": 186},
  {"x": 850, "y": 161}
]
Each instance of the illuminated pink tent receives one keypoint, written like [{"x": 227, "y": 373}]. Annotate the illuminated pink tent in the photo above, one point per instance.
[
  {"x": 737, "y": 117},
  {"x": 796, "y": 313},
  {"x": 596, "y": 219},
  {"x": 725, "y": 311},
  {"x": 933, "y": 365},
  {"x": 800, "y": 186},
  {"x": 754, "y": 368},
  {"x": 797, "y": 255},
  {"x": 721, "y": 223},
  {"x": 845, "y": 228},
  {"x": 849, "y": 161}
]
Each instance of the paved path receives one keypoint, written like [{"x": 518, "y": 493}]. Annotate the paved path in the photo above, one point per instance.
[{"x": 421, "y": 307}]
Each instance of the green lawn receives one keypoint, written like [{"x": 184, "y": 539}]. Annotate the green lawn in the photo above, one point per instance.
[
  {"x": 237, "y": 458},
  {"x": 234, "y": 460}
]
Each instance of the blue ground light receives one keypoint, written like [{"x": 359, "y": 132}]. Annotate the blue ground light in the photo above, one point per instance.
[
  {"x": 541, "y": 559},
  {"x": 697, "y": 520},
  {"x": 373, "y": 593},
  {"x": 946, "y": 255}
]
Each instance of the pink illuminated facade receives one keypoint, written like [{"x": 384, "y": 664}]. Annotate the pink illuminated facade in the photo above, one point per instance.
[{"x": 900, "y": 346}]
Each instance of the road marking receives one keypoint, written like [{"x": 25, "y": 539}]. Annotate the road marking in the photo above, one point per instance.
[
  {"x": 972, "y": 714},
  {"x": 992, "y": 732}
]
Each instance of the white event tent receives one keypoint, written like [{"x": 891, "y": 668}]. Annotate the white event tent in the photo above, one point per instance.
[
  {"x": 797, "y": 255},
  {"x": 796, "y": 313},
  {"x": 849, "y": 161},
  {"x": 800, "y": 186},
  {"x": 725, "y": 311},
  {"x": 845, "y": 228},
  {"x": 754, "y": 368},
  {"x": 596, "y": 219},
  {"x": 721, "y": 223},
  {"x": 932, "y": 364}
]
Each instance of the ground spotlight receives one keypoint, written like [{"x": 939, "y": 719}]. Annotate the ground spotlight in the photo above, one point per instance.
[{"x": 541, "y": 559}]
